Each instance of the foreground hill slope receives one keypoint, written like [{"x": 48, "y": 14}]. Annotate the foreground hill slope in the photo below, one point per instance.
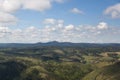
[
  {"x": 24, "y": 68},
  {"x": 111, "y": 72}
]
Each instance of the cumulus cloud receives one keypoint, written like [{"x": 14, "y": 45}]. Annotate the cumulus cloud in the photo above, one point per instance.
[
  {"x": 8, "y": 7},
  {"x": 6, "y": 18},
  {"x": 71, "y": 33},
  {"x": 69, "y": 27},
  {"x": 38, "y": 5},
  {"x": 53, "y": 21},
  {"x": 4, "y": 29},
  {"x": 76, "y": 11},
  {"x": 102, "y": 25},
  {"x": 113, "y": 11},
  {"x": 49, "y": 21}
]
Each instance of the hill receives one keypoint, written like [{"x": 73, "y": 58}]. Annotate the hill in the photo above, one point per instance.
[
  {"x": 26, "y": 68},
  {"x": 59, "y": 61},
  {"x": 111, "y": 72}
]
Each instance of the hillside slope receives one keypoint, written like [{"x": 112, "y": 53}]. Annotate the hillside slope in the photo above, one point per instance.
[
  {"x": 111, "y": 72},
  {"x": 25, "y": 68}
]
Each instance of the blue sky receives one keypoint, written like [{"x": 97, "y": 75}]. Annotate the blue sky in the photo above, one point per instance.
[
  {"x": 30, "y": 21},
  {"x": 93, "y": 12}
]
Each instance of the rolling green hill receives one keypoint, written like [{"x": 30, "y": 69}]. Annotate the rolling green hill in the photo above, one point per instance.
[
  {"x": 26, "y": 68},
  {"x": 111, "y": 72},
  {"x": 59, "y": 61}
]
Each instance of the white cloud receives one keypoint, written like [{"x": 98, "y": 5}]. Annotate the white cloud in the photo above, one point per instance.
[
  {"x": 76, "y": 11},
  {"x": 6, "y": 18},
  {"x": 49, "y": 21},
  {"x": 8, "y": 7},
  {"x": 113, "y": 11},
  {"x": 69, "y": 27},
  {"x": 38, "y": 5},
  {"x": 31, "y": 29},
  {"x": 4, "y": 31},
  {"x": 102, "y": 25},
  {"x": 70, "y": 32},
  {"x": 53, "y": 21},
  {"x": 60, "y": 21}
]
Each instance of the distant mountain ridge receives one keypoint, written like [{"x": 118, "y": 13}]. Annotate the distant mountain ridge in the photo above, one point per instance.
[{"x": 59, "y": 44}]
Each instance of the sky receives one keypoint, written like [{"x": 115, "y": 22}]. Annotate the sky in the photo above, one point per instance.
[{"x": 78, "y": 21}]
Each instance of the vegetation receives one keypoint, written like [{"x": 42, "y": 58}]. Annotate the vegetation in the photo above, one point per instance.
[
  {"x": 111, "y": 72},
  {"x": 61, "y": 62}
]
